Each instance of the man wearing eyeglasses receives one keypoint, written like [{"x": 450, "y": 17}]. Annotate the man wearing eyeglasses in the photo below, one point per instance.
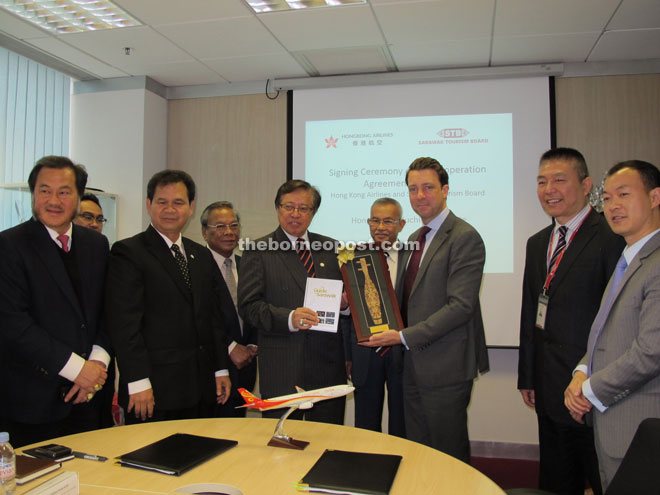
[
  {"x": 90, "y": 214},
  {"x": 221, "y": 230},
  {"x": 369, "y": 369},
  {"x": 271, "y": 291}
]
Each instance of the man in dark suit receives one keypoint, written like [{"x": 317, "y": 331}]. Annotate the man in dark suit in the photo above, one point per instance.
[
  {"x": 53, "y": 348},
  {"x": 619, "y": 374},
  {"x": 371, "y": 370},
  {"x": 566, "y": 287},
  {"x": 164, "y": 320},
  {"x": 221, "y": 229},
  {"x": 271, "y": 291},
  {"x": 438, "y": 287}
]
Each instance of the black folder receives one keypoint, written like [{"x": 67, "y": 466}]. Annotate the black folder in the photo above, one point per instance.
[
  {"x": 176, "y": 454},
  {"x": 340, "y": 471}
]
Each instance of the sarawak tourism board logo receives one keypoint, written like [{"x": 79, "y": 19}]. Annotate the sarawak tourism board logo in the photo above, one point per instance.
[
  {"x": 331, "y": 142},
  {"x": 453, "y": 133}
]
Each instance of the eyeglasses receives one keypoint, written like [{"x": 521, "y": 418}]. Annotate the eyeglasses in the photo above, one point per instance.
[
  {"x": 388, "y": 222},
  {"x": 302, "y": 209},
  {"x": 223, "y": 226},
  {"x": 89, "y": 217}
]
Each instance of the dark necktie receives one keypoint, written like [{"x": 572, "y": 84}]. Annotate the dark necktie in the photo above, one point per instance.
[
  {"x": 183, "y": 264},
  {"x": 561, "y": 245},
  {"x": 305, "y": 257},
  {"x": 411, "y": 271},
  {"x": 64, "y": 239},
  {"x": 230, "y": 280}
]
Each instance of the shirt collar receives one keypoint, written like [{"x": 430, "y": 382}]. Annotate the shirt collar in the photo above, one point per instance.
[
  {"x": 575, "y": 222},
  {"x": 168, "y": 241},
  {"x": 629, "y": 252},
  {"x": 294, "y": 239},
  {"x": 437, "y": 222},
  {"x": 54, "y": 235},
  {"x": 220, "y": 259}
]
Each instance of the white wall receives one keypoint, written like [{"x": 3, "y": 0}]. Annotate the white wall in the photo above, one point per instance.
[{"x": 121, "y": 138}]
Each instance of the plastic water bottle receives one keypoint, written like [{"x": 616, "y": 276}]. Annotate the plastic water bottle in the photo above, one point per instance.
[{"x": 7, "y": 465}]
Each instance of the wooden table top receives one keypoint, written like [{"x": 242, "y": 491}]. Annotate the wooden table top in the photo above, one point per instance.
[{"x": 255, "y": 468}]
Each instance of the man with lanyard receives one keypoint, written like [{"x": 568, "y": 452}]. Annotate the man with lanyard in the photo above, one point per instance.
[{"x": 566, "y": 270}]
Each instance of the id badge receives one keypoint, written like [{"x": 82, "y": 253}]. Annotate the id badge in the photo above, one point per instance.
[{"x": 541, "y": 311}]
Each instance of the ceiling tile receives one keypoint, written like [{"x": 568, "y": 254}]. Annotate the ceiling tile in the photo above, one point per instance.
[
  {"x": 351, "y": 25},
  {"x": 256, "y": 68},
  {"x": 534, "y": 17},
  {"x": 418, "y": 23},
  {"x": 76, "y": 57},
  {"x": 18, "y": 28},
  {"x": 451, "y": 53},
  {"x": 148, "y": 47},
  {"x": 181, "y": 74},
  {"x": 155, "y": 12},
  {"x": 627, "y": 45},
  {"x": 219, "y": 39},
  {"x": 636, "y": 14},
  {"x": 354, "y": 60},
  {"x": 542, "y": 49}
]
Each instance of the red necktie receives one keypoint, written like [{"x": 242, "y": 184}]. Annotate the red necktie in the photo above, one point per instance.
[
  {"x": 411, "y": 271},
  {"x": 64, "y": 239},
  {"x": 305, "y": 257}
]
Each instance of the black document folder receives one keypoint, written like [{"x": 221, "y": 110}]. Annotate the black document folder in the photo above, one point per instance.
[
  {"x": 340, "y": 471},
  {"x": 176, "y": 454}
]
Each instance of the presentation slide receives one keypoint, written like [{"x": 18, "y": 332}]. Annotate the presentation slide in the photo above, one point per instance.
[{"x": 355, "y": 145}]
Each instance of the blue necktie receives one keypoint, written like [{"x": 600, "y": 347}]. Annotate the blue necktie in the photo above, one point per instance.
[{"x": 605, "y": 306}]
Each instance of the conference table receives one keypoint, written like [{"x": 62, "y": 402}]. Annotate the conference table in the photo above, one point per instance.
[{"x": 252, "y": 466}]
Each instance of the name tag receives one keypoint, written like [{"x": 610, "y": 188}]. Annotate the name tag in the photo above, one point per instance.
[{"x": 541, "y": 311}]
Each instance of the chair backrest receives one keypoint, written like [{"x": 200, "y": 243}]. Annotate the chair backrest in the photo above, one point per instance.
[{"x": 639, "y": 472}]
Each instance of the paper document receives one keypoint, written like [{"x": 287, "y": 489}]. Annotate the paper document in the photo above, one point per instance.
[{"x": 323, "y": 295}]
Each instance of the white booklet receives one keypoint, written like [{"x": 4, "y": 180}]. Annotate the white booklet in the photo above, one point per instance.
[{"x": 323, "y": 295}]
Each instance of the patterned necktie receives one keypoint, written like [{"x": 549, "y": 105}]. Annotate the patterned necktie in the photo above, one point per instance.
[
  {"x": 183, "y": 264},
  {"x": 561, "y": 245},
  {"x": 605, "y": 306},
  {"x": 305, "y": 257},
  {"x": 230, "y": 280},
  {"x": 64, "y": 239},
  {"x": 411, "y": 271}
]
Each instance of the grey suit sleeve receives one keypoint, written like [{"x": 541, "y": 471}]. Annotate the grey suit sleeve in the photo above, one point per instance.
[
  {"x": 465, "y": 265},
  {"x": 640, "y": 363},
  {"x": 252, "y": 296}
]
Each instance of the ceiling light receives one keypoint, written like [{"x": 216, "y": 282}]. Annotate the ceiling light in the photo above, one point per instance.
[
  {"x": 70, "y": 16},
  {"x": 260, "y": 6}
]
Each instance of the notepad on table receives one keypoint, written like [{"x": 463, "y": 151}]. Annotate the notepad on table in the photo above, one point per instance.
[
  {"x": 343, "y": 472},
  {"x": 30, "y": 468},
  {"x": 176, "y": 454}
]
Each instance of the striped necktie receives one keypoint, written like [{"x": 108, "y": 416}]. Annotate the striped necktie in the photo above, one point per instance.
[
  {"x": 561, "y": 245},
  {"x": 305, "y": 257}
]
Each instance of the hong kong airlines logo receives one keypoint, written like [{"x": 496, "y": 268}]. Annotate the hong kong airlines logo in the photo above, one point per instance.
[
  {"x": 452, "y": 133},
  {"x": 331, "y": 142}
]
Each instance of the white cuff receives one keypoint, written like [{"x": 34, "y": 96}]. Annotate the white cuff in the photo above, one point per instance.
[
  {"x": 99, "y": 354},
  {"x": 73, "y": 367},
  {"x": 231, "y": 347},
  {"x": 222, "y": 373},
  {"x": 589, "y": 394},
  {"x": 291, "y": 327},
  {"x": 139, "y": 386}
]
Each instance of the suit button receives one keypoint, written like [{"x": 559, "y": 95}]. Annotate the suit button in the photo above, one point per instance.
[{"x": 83, "y": 326}]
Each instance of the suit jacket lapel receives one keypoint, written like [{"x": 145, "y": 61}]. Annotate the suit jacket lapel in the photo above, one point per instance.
[
  {"x": 47, "y": 251},
  {"x": 158, "y": 248},
  {"x": 438, "y": 240},
  {"x": 582, "y": 238},
  {"x": 290, "y": 259}
]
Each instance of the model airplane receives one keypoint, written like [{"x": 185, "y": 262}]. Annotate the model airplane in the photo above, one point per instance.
[{"x": 302, "y": 400}]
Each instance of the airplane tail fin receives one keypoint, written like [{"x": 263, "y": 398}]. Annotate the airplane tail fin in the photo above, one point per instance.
[{"x": 247, "y": 397}]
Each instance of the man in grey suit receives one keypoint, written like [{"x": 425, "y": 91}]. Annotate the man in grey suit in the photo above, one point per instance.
[
  {"x": 620, "y": 373},
  {"x": 271, "y": 292},
  {"x": 438, "y": 288}
]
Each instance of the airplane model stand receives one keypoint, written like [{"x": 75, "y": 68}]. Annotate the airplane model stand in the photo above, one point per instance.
[{"x": 281, "y": 439}]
